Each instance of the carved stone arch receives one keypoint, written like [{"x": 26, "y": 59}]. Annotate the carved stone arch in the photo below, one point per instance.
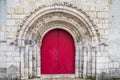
[
  {"x": 77, "y": 23},
  {"x": 73, "y": 11},
  {"x": 73, "y": 31}
]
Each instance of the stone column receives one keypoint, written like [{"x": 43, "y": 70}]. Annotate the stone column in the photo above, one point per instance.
[
  {"x": 85, "y": 61},
  {"x": 30, "y": 54},
  {"x": 81, "y": 60},
  {"x": 38, "y": 62},
  {"x": 26, "y": 64},
  {"x": 77, "y": 56},
  {"x": 35, "y": 60},
  {"x": 22, "y": 52}
]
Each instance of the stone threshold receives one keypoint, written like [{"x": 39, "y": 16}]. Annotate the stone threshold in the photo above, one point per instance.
[
  {"x": 58, "y": 79},
  {"x": 57, "y": 76}
]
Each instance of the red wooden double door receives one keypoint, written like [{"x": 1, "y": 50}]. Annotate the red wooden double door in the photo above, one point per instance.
[{"x": 57, "y": 53}]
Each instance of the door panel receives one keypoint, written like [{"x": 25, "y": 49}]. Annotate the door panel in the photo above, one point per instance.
[
  {"x": 57, "y": 53},
  {"x": 49, "y": 53},
  {"x": 66, "y": 53}
]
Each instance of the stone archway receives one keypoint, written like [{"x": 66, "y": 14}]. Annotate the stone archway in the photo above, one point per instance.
[{"x": 42, "y": 20}]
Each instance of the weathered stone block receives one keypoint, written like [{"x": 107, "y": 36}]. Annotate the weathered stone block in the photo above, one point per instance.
[
  {"x": 95, "y": 21},
  {"x": 106, "y": 48},
  {"x": 0, "y": 28},
  {"x": 9, "y": 59},
  {"x": 30, "y": 64},
  {"x": 99, "y": 25},
  {"x": 8, "y": 54},
  {"x": 30, "y": 58},
  {"x": 19, "y": 10},
  {"x": 103, "y": 15},
  {"x": 100, "y": 66},
  {"x": 106, "y": 32},
  {"x": 12, "y": 29},
  {"x": 12, "y": 72},
  {"x": 111, "y": 65},
  {"x": 92, "y": 8},
  {"x": 107, "y": 8},
  {"x": 16, "y": 54},
  {"x": 2, "y": 53},
  {"x": 10, "y": 35},
  {"x": 10, "y": 22},
  {"x": 16, "y": 59},
  {"x": 3, "y": 58},
  {"x": 38, "y": 72},
  {"x": 99, "y": 54},
  {"x": 38, "y": 63},
  {"x": 86, "y": 8},
  {"x": 101, "y": 59},
  {"x": 10, "y": 10},
  {"x": 18, "y": 22},
  {"x": 116, "y": 64},
  {"x": 101, "y": 21},
  {"x": 3, "y": 73},
  {"x": 16, "y": 16},
  {"x": 92, "y": 14}
]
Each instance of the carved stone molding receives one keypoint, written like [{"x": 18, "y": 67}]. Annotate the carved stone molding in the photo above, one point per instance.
[
  {"x": 59, "y": 19},
  {"x": 63, "y": 12}
]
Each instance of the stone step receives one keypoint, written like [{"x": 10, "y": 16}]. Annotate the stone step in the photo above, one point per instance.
[{"x": 57, "y": 79}]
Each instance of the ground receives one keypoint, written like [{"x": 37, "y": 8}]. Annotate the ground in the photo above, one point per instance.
[{"x": 58, "y": 79}]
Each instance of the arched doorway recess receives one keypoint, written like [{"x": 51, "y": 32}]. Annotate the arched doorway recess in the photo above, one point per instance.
[
  {"x": 57, "y": 53},
  {"x": 44, "y": 19}
]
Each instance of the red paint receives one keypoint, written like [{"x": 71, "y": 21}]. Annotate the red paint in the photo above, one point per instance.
[{"x": 57, "y": 53}]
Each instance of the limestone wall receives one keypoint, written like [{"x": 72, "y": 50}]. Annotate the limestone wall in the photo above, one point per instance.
[{"x": 17, "y": 10}]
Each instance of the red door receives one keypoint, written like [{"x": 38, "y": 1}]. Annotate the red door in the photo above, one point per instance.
[{"x": 57, "y": 53}]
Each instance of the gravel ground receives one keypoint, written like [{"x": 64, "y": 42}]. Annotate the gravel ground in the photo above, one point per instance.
[{"x": 57, "y": 79}]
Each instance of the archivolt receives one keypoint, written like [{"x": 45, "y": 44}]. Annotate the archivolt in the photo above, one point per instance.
[{"x": 76, "y": 15}]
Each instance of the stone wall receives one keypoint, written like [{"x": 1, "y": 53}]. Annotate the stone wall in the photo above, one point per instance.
[{"x": 17, "y": 10}]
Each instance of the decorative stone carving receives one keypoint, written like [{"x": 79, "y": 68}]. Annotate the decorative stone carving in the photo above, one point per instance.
[
  {"x": 3, "y": 73},
  {"x": 58, "y": 19},
  {"x": 59, "y": 6},
  {"x": 12, "y": 72}
]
